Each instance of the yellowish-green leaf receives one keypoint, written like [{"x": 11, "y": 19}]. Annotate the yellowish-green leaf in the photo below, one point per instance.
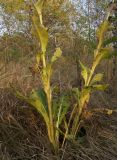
[
  {"x": 56, "y": 55},
  {"x": 42, "y": 34},
  {"x": 85, "y": 95},
  {"x": 35, "y": 101},
  {"x": 48, "y": 70},
  {"x": 84, "y": 72},
  {"x": 104, "y": 53},
  {"x": 97, "y": 78},
  {"x": 39, "y": 5},
  {"x": 100, "y": 87},
  {"x": 84, "y": 75},
  {"x": 101, "y": 30}
]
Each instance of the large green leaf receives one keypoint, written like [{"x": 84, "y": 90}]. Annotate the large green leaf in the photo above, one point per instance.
[
  {"x": 43, "y": 98},
  {"x": 36, "y": 99}
]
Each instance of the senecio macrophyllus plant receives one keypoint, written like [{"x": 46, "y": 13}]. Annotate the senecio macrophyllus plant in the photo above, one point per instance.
[{"x": 42, "y": 99}]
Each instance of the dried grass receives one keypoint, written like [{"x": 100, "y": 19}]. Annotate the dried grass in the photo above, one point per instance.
[{"x": 23, "y": 135}]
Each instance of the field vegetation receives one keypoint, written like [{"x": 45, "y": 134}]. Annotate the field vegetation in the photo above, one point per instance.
[{"x": 58, "y": 90}]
